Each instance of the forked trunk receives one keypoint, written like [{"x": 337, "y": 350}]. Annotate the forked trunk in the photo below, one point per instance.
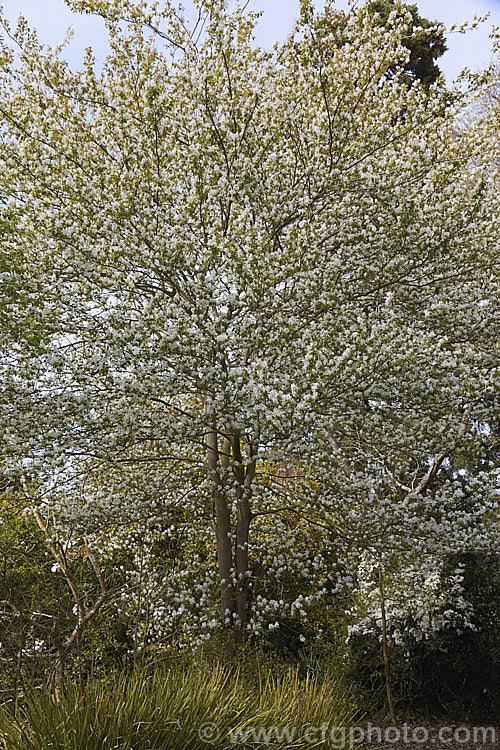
[{"x": 232, "y": 567}]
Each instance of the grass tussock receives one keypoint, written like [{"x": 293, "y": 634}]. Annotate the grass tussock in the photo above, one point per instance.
[{"x": 179, "y": 709}]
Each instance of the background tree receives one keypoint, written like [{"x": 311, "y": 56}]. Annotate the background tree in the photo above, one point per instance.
[
  {"x": 51, "y": 594},
  {"x": 423, "y": 41},
  {"x": 424, "y": 49}
]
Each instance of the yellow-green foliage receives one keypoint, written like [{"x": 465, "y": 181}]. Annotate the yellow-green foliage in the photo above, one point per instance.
[{"x": 166, "y": 709}]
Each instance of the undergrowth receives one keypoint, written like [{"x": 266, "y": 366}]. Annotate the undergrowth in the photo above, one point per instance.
[{"x": 181, "y": 708}]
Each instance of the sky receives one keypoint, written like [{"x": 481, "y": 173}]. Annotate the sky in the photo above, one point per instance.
[{"x": 52, "y": 17}]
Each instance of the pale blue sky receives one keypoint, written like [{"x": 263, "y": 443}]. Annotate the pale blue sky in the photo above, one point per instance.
[{"x": 52, "y": 17}]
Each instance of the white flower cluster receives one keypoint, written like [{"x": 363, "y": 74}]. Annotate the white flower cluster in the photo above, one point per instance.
[
  {"x": 422, "y": 600},
  {"x": 249, "y": 324}
]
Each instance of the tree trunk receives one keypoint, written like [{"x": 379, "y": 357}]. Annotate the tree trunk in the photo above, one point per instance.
[
  {"x": 62, "y": 656},
  {"x": 222, "y": 531},
  {"x": 243, "y": 492},
  {"x": 385, "y": 652},
  {"x": 233, "y": 569}
]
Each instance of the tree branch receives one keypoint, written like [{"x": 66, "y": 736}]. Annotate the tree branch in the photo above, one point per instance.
[
  {"x": 438, "y": 460},
  {"x": 339, "y": 457}
]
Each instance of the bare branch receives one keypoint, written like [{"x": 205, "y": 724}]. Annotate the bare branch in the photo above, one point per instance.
[
  {"x": 339, "y": 457},
  {"x": 438, "y": 460}
]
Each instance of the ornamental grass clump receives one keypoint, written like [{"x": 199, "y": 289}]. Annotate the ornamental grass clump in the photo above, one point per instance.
[{"x": 177, "y": 709}]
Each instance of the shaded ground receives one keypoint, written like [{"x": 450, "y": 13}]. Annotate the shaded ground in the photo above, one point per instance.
[{"x": 432, "y": 736}]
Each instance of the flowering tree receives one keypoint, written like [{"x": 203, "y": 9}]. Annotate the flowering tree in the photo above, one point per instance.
[{"x": 269, "y": 288}]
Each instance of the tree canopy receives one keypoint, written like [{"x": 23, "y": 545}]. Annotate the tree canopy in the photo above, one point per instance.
[{"x": 272, "y": 306}]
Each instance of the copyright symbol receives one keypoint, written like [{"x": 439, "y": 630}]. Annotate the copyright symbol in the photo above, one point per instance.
[{"x": 208, "y": 732}]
